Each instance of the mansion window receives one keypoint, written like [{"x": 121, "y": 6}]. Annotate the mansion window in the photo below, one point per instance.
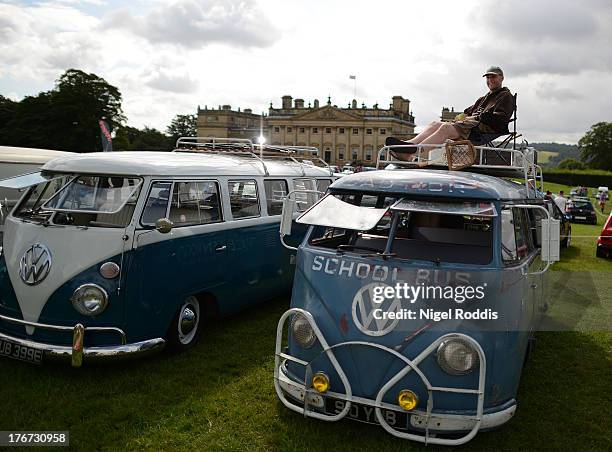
[
  {"x": 369, "y": 131},
  {"x": 328, "y": 130},
  {"x": 341, "y": 130},
  {"x": 315, "y": 130},
  {"x": 276, "y": 129},
  {"x": 302, "y": 130},
  {"x": 383, "y": 131},
  {"x": 355, "y": 131},
  {"x": 289, "y": 129}
]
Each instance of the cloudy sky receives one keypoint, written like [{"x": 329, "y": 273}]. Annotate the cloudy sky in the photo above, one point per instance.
[{"x": 168, "y": 57}]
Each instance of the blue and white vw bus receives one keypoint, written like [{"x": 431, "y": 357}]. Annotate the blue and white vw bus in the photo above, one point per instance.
[
  {"x": 111, "y": 255},
  {"x": 417, "y": 293}
]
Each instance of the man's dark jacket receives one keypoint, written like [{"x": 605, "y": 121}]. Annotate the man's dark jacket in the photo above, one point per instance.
[{"x": 494, "y": 109}]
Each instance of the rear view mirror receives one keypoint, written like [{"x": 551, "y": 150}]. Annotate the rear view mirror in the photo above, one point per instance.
[
  {"x": 551, "y": 246},
  {"x": 164, "y": 225},
  {"x": 287, "y": 216}
]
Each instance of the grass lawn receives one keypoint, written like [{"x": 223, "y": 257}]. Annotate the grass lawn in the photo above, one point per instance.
[{"x": 220, "y": 395}]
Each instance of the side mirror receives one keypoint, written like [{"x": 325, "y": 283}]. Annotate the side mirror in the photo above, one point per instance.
[
  {"x": 163, "y": 225},
  {"x": 551, "y": 246},
  {"x": 287, "y": 216}
]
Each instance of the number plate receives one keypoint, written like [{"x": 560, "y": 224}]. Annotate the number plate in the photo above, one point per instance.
[
  {"x": 580, "y": 218},
  {"x": 365, "y": 413},
  {"x": 20, "y": 352}
]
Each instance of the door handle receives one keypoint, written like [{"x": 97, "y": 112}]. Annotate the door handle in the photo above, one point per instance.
[{"x": 220, "y": 248}]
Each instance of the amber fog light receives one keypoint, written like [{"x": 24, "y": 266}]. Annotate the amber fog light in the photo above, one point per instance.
[
  {"x": 320, "y": 382},
  {"x": 407, "y": 399}
]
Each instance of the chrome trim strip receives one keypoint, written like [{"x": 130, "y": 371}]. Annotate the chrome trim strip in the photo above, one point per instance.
[{"x": 44, "y": 326}]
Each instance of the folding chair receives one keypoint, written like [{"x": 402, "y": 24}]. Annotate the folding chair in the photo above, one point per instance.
[{"x": 496, "y": 156}]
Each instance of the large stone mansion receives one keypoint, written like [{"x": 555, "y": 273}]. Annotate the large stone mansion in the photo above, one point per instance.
[{"x": 342, "y": 134}]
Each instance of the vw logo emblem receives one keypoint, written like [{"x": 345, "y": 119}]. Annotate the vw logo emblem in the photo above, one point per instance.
[
  {"x": 364, "y": 308},
  {"x": 35, "y": 264}
]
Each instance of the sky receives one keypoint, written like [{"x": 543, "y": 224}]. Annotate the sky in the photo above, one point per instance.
[{"x": 169, "y": 57}]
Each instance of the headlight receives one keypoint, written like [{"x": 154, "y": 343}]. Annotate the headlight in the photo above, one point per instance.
[
  {"x": 89, "y": 299},
  {"x": 457, "y": 357},
  {"x": 302, "y": 332}
]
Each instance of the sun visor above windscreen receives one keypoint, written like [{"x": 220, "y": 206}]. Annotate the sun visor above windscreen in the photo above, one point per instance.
[
  {"x": 473, "y": 208},
  {"x": 335, "y": 213},
  {"x": 28, "y": 180}
]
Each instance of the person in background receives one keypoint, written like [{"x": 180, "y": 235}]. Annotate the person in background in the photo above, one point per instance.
[
  {"x": 548, "y": 195},
  {"x": 602, "y": 201},
  {"x": 561, "y": 201}
]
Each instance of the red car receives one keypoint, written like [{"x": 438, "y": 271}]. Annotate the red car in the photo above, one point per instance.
[{"x": 604, "y": 242}]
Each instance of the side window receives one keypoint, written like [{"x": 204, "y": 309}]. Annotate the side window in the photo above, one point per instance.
[
  {"x": 157, "y": 203},
  {"x": 276, "y": 191},
  {"x": 305, "y": 200},
  {"x": 508, "y": 242},
  {"x": 243, "y": 198},
  {"x": 194, "y": 203},
  {"x": 322, "y": 184}
]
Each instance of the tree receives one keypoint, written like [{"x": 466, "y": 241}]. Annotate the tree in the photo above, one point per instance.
[
  {"x": 182, "y": 126},
  {"x": 7, "y": 110},
  {"x": 596, "y": 146},
  {"x": 66, "y": 117},
  {"x": 571, "y": 164},
  {"x": 147, "y": 139}
]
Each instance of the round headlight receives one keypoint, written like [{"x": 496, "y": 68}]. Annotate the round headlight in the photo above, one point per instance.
[
  {"x": 89, "y": 299},
  {"x": 302, "y": 332},
  {"x": 457, "y": 357}
]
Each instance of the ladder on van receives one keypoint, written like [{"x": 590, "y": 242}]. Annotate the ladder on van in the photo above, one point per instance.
[
  {"x": 518, "y": 164},
  {"x": 246, "y": 148}
]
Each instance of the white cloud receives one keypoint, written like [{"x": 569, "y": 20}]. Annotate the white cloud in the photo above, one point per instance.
[{"x": 195, "y": 23}]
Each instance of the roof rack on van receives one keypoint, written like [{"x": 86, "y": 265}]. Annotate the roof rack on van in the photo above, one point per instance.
[
  {"x": 245, "y": 147},
  {"x": 499, "y": 162}
]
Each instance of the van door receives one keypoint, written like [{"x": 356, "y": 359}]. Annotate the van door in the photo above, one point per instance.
[{"x": 191, "y": 259}]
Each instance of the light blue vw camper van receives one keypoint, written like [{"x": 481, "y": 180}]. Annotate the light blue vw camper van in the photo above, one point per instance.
[
  {"x": 417, "y": 293},
  {"x": 111, "y": 255}
]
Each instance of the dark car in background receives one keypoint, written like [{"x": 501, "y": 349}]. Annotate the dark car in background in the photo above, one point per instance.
[
  {"x": 604, "y": 242},
  {"x": 581, "y": 210}
]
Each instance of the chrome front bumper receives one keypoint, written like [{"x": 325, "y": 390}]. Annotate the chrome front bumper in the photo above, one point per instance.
[
  {"x": 78, "y": 352},
  {"x": 289, "y": 391}
]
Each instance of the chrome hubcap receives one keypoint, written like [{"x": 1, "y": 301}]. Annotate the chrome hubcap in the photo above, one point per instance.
[{"x": 188, "y": 321}]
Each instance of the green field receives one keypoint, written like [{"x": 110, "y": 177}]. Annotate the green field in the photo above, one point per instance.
[
  {"x": 220, "y": 395},
  {"x": 545, "y": 156}
]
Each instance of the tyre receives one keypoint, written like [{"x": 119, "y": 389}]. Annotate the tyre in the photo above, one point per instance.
[
  {"x": 185, "y": 328},
  {"x": 600, "y": 252}
]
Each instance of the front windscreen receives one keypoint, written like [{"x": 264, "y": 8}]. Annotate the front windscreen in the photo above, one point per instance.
[
  {"x": 95, "y": 194},
  {"x": 437, "y": 232}
]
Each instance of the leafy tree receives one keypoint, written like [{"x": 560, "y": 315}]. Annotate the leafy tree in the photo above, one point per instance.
[
  {"x": 64, "y": 118},
  {"x": 182, "y": 126},
  {"x": 7, "y": 110},
  {"x": 571, "y": 164},
  {"x": 596, "y": 146},
  {"x": 147, "y": 139}
]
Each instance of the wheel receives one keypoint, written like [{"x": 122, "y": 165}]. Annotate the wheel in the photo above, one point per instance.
[
  {"x": 185, "y": 329},
  {"x": 600, "y": 252}
]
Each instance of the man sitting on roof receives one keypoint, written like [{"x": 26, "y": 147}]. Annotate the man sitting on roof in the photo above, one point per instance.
[{"x": 490, "y": 114}]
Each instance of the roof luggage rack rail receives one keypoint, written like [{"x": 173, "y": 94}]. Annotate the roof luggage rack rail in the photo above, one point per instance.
[
  {"x": 512, "y": 163},
  {"x": 245, "y": 148}
]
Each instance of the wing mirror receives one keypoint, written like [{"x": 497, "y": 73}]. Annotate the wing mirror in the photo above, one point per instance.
[
  {"x": 287, "y": 216},
  {"x": 164, "y": 225}
]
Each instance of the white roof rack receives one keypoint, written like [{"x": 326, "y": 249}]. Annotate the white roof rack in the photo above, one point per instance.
[
  {"x": 500, "y": 162},
  {"x": 246, "y": 148}
]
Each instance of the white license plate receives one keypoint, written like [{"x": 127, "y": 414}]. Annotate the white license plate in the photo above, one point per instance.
[
  {"x": 580, "y": 218},
  {"x": 20, "y": 352},
  {"x": 367, "y": 414}
]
